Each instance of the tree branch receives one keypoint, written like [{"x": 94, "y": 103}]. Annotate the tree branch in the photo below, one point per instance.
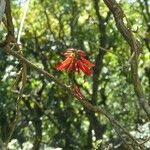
[
  {"x": 84, "y": 102},
  {"x": 10, "y": 38},
  {"x": 126, "y": 32},
  {"x": 99, "y": 58},
  {"x": 9, "y": 25}
]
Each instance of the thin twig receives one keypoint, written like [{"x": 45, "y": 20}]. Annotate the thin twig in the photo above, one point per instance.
[
  {"x": 146, "y": 140},
  {"x": 100, "y": 47},
  {"x": 129, "y": 61}
]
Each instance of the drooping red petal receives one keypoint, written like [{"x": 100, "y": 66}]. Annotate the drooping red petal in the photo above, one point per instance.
[
  {"x": 70, "y": 67},
  {"x": 63, "y": 65},
  {"x": 84, "y": 68},
  {"x": 77, "y": 68},
  {"x": 67, "y": 54},
  {"x": 77, "y": 90},
  {"x": 87, "y": 62},
  {"x": 81, "y": 53}
]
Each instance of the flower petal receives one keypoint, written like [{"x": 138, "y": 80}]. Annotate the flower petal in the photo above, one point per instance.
[
  {"x": 84, "y": 68},
  {"x": 66, "y": 54},
  {"x": 70, "y": 67},
  {"x": 64, "y": 64},
  {"x": 87, "y": 62},
  {"x": 81, "y": 53},
  {"x": 69, "y": 53},
  {"x": 77, "y": 68}
]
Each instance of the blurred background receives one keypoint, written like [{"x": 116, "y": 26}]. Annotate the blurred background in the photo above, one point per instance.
[{"x": 50, "y": 117}]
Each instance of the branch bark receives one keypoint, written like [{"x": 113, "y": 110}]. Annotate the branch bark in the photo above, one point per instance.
[
  {"x": 9, "y": 25},
  {"x": 99, "y": 59},
  {"x": 10, "y": 38},
  {"x": 95, "y": 124},
  {"x": 126, "y": 32}
]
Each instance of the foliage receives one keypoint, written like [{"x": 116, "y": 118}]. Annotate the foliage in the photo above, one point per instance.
[{"x": 49, "y": 115}]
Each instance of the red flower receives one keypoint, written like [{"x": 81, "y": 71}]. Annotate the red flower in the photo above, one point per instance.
[
  {"x": 75, "y": 59},
  {"x": 84, "y": 68},
  {"x": 64, "y": 64}
]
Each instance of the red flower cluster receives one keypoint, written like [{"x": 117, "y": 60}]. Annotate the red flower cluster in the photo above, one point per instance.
[{"x": 75, "y": 59}]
